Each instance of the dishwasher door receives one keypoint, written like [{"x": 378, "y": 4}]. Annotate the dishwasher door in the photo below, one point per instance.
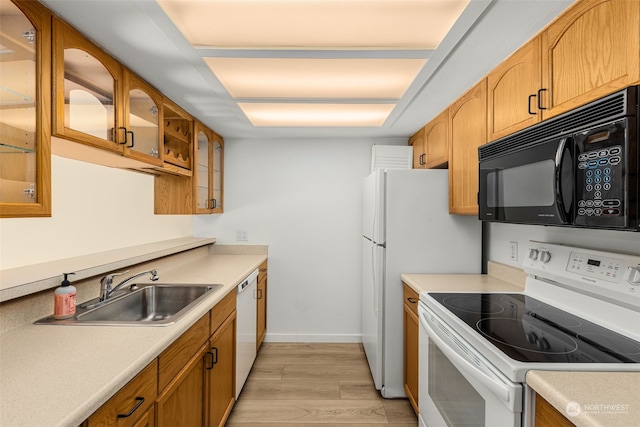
[{"x": 246, "y": 328}]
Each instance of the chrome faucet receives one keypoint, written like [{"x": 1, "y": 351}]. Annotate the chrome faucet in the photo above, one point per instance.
[{"x": 105, "y": 283}]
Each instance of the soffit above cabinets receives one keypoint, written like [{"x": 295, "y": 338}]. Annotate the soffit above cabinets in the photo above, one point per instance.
[
  {"x": 142, "y": 35},
  {"x": 353, "y": 54}
]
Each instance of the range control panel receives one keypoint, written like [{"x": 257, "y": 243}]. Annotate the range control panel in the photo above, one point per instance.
[
  {"x": 612, "y": 275},
  {"x": 609, "y": 269}
]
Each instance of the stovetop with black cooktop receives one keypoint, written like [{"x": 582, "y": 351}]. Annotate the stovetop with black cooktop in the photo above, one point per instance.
[{"x": 529, "y": 330}]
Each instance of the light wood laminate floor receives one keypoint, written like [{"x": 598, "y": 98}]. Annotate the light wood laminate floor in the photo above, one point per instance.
[{"x": 298, "y": 385}]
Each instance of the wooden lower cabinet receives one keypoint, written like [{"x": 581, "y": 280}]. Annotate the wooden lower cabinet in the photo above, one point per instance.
[
  {"x": 221, "y": 374},
  {"x": 192, "y": 382},
  {"x": 182, "y": 402},
  {"x": 129, "y": 406},
  {"x": 548, "y": 416},
  {"x": 411, "y": 334},
  {"x": 262, "y": 304}
]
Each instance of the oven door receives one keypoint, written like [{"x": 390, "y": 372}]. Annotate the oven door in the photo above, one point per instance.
[
  {"x": 457, "y": 386},
  {"x": 532, "y": 185}
]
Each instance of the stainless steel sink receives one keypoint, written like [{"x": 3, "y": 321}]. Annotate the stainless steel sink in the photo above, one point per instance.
[{"x": 148, "y": 305}]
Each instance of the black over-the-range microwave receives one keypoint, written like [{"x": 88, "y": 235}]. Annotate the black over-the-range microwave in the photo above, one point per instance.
[{"x": 579, "y": 169}]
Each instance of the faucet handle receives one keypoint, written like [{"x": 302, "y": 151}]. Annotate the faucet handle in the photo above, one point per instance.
[{"x": 108, "y": 279}]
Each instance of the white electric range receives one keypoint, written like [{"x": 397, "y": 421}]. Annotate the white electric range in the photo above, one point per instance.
[{"x": 580, "y": 311}]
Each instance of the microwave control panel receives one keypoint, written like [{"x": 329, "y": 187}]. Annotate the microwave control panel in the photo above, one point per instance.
[{"x": 600, "y": 191}]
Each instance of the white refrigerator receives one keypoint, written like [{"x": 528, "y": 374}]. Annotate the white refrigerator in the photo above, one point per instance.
[{"x": 406, "y": 228}]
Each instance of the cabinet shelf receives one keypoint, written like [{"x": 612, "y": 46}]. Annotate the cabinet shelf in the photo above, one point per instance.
[{"x": 11, "y": 149}]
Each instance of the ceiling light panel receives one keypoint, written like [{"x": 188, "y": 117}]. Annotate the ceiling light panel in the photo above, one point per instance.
[
  {"x": 315, "y": 78},
  {"x": 318, "y": 24},
  {"x": 320, "y": 115}
]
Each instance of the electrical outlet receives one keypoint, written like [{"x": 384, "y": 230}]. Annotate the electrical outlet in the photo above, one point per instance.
[
  {"x": 513, "y": 251},
  {"x": 242, "y": 235}
]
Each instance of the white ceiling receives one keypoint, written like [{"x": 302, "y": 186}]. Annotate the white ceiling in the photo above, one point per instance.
[{"x": 141, "y": 36}]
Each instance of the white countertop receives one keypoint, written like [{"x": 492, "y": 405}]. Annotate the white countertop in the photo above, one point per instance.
[{"x": 59, "y": 375}]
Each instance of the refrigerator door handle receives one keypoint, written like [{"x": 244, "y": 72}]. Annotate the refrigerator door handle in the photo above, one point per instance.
[{"x": 375, "y": 282}]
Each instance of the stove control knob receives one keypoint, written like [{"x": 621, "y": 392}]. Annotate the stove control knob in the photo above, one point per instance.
[
  {"x": 545, "y": 256},
  {"x": 632, "y": 275},
  {"x": 533, "y": 254}
]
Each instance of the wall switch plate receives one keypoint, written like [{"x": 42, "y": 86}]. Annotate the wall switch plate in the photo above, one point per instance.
[
  {"x": 513, "y": 251},
  {"x": 242, "y": 235}
]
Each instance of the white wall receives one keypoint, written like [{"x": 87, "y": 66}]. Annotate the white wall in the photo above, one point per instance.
[
  {"x": 94, "y": 209},
  {"x": 499, "y": 236},
  {"x": 303, "y": 199}
]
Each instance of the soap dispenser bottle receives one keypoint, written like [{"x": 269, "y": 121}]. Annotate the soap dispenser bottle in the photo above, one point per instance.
[{"x": 64, "y": 299}]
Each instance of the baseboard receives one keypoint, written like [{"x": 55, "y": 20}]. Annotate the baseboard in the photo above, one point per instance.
[{"x": 340, "y": 338}]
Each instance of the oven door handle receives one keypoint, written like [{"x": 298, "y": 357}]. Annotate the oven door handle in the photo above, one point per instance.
[{"x": 498, "y": 387}]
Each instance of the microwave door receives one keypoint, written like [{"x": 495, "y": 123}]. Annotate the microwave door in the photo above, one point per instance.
[{"x": 529, "y": 185}]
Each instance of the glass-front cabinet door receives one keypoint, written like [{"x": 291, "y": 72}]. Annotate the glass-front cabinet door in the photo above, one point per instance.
[
  {"x": 203, "y": 178},
  {"x": 143, "y": 116},
  {"x": 86, "y": 88},
  {"x": 218, "y": 174},
  {"x": 25, "y": 87},
  {"x": 207, "y": 180}
]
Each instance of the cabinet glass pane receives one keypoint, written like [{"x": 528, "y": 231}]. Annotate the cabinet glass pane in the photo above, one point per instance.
[
  {"x": 143, "y": 122},
  {"x": 202, "y": 169},
  {"x": 217, "y": 172},
  {"x": 17, "y": 106},
  {"x": 88, "y": 95}
]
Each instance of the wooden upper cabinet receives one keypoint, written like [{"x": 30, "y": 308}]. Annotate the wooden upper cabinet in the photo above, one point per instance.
[
  {"x": 514, "y": 91},
  {"x": 143, "y": 116},
  {"x": 467, "y": 130},
  {"x": 100, "y": 103},
  {"x": 25, "y": 146},
  {"x": 590, "y": 51},
  {"x": 203, "y": 179},
  {"x": 86, "y": 89},
  {"x": 417, "y": 142},
  {"x": 436, "y": 141},
  {"x": 218, "y": 174}
]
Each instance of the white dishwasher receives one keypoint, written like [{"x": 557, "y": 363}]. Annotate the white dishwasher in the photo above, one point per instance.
[{"x": 246, "y": 328}]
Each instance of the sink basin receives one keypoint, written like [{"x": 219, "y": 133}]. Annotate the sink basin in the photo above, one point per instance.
[{"x": 149, "y": 305}]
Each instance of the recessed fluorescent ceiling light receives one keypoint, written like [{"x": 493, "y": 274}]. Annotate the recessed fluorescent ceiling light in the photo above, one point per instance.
[
  {"x": 317, "y": 24},
  {"x": 315, "y": 78},
  {"x": 321, "y": 115}
]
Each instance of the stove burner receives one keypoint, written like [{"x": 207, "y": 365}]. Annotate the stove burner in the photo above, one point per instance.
[
  {"x": 617, "y": 344},
  {"x": 538, "y": 338},
  {"x": 472, "y": 305}
]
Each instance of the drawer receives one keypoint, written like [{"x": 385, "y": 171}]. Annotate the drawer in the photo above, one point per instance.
[
  {"x": 174, "y": 358},
  {"x": 131, "y": 403},
  {"x": 222, "y": 310},
  {"x": 411, "y": 299}
]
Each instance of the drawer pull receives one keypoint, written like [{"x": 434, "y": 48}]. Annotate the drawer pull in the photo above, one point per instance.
[
  {"x": 412, "y": 300},
  {"x": 140, "y": 401}
]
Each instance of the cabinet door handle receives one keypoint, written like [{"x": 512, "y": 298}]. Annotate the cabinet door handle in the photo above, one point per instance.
[
  {"x": 259, "y": 295},
  {"x": 412, "y": 300},
  {"x": 140, "y": 401},
  {"x": 540, "y": 107},
  {"x": 213, "y": 358},
  {"x": 130, "y": 132},
  {"x": 422, "y": 162},
  {"x": 125, "y": 135},
  {"x": 533, "y": 113},
  {"x": 214, "y": 203}
]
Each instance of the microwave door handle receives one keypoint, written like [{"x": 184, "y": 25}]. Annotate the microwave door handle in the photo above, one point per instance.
[
  {"x": 498, "y": 387},
  {"x": 560, "y": 191}
]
